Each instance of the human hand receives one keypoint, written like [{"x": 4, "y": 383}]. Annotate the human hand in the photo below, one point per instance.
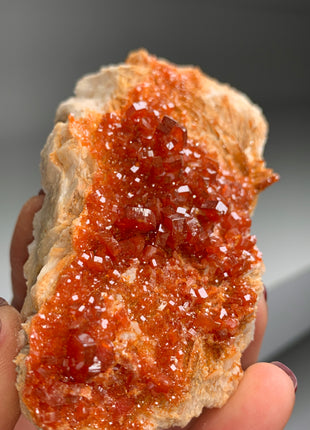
[
  {"x": 264, "y": 399},
  {"x": 10, "y": 319}
]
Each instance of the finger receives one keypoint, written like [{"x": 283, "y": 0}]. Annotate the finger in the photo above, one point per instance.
[
  {"x": 24, "y": 424},
  {"x": 264, "y": 400},
  {"x": 22, "y": 237},
  {"x": 250, "y": 355},
  {"x": 9, "y": 404}
]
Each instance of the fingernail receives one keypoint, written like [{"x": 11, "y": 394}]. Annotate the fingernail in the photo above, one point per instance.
[
  {"x": 3, "y": 302},
  {"x": 265, "y": 292},
  {"x": 41, "y": 192},
  {"x": 288, "y": 371}
]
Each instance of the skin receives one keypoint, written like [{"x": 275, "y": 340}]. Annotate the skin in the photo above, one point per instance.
[{"x": 264, "y": 399}]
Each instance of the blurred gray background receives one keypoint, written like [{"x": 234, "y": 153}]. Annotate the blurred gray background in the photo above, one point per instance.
[{"x": 260, "y": 47}]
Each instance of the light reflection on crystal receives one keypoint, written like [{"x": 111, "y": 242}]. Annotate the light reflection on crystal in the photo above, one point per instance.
[
  {"x": 202, "y": 292},
  {"x": 223, "y": 313}
]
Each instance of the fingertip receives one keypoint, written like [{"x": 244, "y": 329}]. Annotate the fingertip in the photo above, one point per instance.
[
  {"x": 10, "y": 322},
  {"x": 275, "y": 391},
  {"x": 10, "y": 327},
  {"x": 264, "y": 400},
  {"x": 289, "y": 373},
  {"x": 277, "y": 374},
  {"x": 24, "y": 424},
  {"x": 22, "y": 237},
  {"x": 23, "y": 227}
]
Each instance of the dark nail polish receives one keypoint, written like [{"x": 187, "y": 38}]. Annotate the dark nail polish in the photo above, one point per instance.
[
  {"x": 265, "y": 293},
  {"x": 41, "y": 192},
  {"x": 288, "y": 371},
  {"x": 3, "y": 302}
]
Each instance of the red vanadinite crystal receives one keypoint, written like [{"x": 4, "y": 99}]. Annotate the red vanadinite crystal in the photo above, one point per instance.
[{"x": 161, "y": 248}]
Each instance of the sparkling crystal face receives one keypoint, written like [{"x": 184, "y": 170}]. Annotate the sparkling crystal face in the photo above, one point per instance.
[{"x": 162, "y": 247}]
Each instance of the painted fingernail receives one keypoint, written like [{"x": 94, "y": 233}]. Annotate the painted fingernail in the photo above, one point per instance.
[
  {"x": 265, "y": 293},
  {"x": 3, "y": 302},
  {"x": 41, "y": 192},
  {"x": 288, "y": 371}
]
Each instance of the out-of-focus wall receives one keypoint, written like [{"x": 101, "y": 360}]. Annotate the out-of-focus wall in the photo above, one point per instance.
[{"x": 261, "y": 47}]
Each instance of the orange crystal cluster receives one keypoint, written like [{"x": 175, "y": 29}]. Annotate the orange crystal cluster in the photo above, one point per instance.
[{"x": 161, "y": 249}]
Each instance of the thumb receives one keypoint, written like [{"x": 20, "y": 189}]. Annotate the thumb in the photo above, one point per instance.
[{"x": 9, "y": 328}]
